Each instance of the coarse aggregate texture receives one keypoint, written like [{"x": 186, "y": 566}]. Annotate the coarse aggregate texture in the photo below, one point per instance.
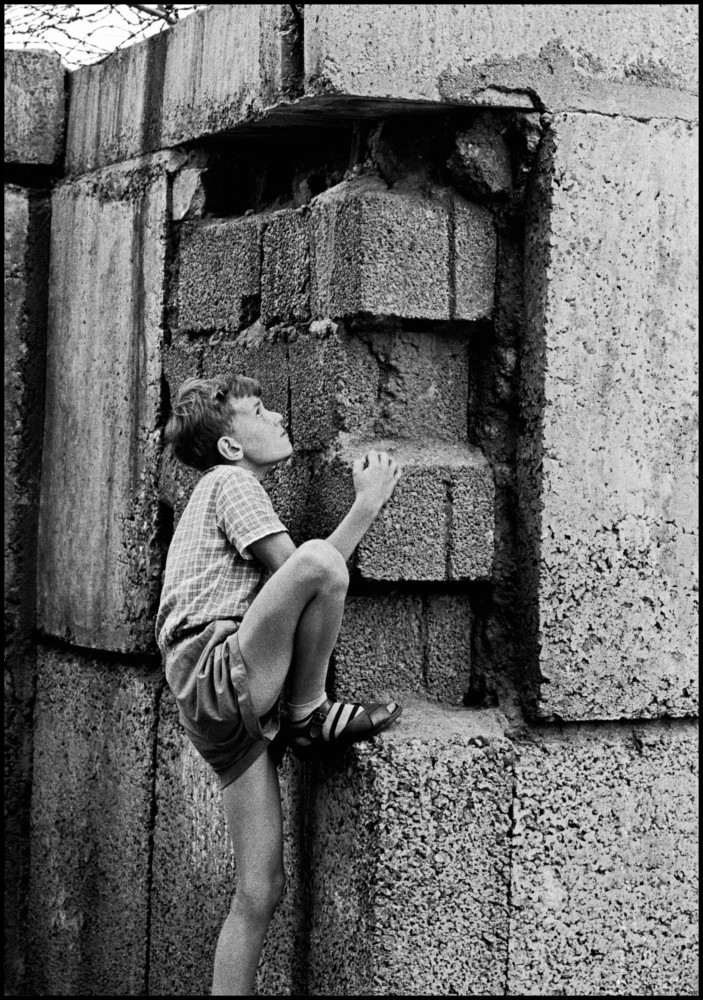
[
  {"x": 34, "y": 108},
  {"x": 285, "y": 272},
  {"x": 100, "y": 546},
  {"x": 410, "y": 861},
  {"x": 417, "y": 534},
  {"x": 400, "y": 252},
  {"x": 218, "y": 67},
  {"x": 608, "y": 461},
  {"x": 605, "y": 862},
  {"x": 194, "y": 873},
  {"x": 218, "y": 284},
  {"x": 95, "y": 727},
  {"x": 395, "y": 644},
  {"x": 596, "y": 57},
  {"x": 258, "y": 353},
  {"x": 380, "y": 381}
]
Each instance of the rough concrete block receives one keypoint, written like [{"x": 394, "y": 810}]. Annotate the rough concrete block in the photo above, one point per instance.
[
  {"x": 390, "y": 252},
  {"x": 192, "y": 848},
  {"x": 379, "y": 654},
  {"x": 100, "y": 549},
  {"x": 475, "y": 259},
  {"x": 410, "y": 862},
  {"x": 599, "y": 57},
  {"x": 448, "y": 623},
  {"x": 26, "y": 291},
  {"x": 95, "y": 727},
  {"x": 414, "y": 537},
  {"x": 396, "y": 645},
  {"x": 219, "y": 275},
  {"x": 608, "y": 459},
  {"x": 34, "y": 108},
  {"x": 481, "y": 160},
  {"x": 604, "y": 849},
  {"x": 385, "y": 383},
  {"x": 217, "y": 68},
  {"x": 285, "y": 278}
]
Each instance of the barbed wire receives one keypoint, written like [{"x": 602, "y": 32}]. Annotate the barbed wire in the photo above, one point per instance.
[{"x": 84, "y": 33}]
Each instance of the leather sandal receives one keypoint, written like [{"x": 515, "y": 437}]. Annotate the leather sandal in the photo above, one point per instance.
[{"x": 336, "y": 725}]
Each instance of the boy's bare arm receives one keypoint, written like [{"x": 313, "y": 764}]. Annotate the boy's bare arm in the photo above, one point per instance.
[{"x": 374, "y": 486}]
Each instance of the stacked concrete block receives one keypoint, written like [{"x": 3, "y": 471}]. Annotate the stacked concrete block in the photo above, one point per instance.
[
  {"x": 192, "y": 888},
  {"x": 410, "y": 862},
  {"x": 285, "y": 280},
  {"x": 94, "y": 729},
  {"x": 100, "y": 545},
  {"x": 34, "y": 108},
  {"x": 378, "y": 382},
  {"x": 444, "y": 491},
  {"x": 218, "y": 287},
  {"x": 390, "y": 252},
  {"x": 604, "y": 57},
  {"x": 604, "y": 887},
  {"x": 609, "y": 458},
  {"x": 397, "y": 645},
  {"x": 218, "y": 68}
]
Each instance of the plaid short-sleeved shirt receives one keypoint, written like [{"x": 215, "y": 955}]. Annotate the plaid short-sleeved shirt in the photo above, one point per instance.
[{"x": 209, "y": 573}]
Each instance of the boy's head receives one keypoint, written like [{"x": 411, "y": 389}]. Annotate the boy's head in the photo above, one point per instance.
[{"x": 222, "y": 421}]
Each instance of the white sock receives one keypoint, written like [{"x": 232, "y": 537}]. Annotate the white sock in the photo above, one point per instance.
[{"x": 296, "y": 713}]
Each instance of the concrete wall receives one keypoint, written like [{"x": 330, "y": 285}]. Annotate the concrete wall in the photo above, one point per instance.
[
  {"x": 34, "y": 120},
  {"x": 463, "y": 233}
]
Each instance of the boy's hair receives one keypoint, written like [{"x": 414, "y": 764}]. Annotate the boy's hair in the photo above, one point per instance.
[{"x": 201, "y": 414}]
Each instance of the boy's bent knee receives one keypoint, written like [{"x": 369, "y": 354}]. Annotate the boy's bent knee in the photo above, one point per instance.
[
  {"x": 261, "y": 897},
  {"x": 325, "y": 562}
]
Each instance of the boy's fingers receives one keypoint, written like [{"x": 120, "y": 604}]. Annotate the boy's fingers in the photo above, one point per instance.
[{"x": 358, "y": 466}]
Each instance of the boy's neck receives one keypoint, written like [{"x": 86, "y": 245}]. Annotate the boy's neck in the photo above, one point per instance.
[{"x": 257, "y": 470}]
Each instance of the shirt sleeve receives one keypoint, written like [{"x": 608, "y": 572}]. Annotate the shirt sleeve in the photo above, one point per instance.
[{"x": 244, "y": 512}]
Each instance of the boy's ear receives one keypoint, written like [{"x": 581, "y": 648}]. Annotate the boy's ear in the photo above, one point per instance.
[{"x": 230, "y": 449}]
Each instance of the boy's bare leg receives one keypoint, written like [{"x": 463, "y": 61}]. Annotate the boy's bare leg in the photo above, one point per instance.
[
  {"x": 253, "y": 812},
  {"x": 293, "y": 624}
]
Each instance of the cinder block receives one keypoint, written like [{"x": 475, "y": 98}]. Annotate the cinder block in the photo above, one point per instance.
[
  {"x": 100, "y": 546},
  {"x": 410, "y": 862},
  {"x": 213, "y": 70},
  {"x": 590, "y": 57},
  {"x": 414, "y": 536},
  {"x": 475, "y": 258},
  {"x": 94, "y": 733},
  {"x": 395, "y": 645},
  {"x": 448, "y": 623},
  {"x": 605, "y": 856},
  {"x": 608, "y": 460},
  {"x": 192, "y": 848},
  {"x": 285, "y": 278},
  {"x": 389, "y": 252},
  {"x": 218, "y": 287},
  {"x": 34, "y": 107},
  {"x": 378, "y": 383},
  {"x": 379, "y": 654}
]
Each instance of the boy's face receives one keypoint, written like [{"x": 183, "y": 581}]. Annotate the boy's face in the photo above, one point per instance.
[{"x": 259, "y": 433}]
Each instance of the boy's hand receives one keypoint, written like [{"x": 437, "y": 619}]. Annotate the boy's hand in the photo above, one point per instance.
[{"x": 375, "y": 483}]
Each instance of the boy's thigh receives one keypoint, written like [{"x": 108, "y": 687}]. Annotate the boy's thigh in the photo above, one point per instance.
[{"x": 267, "y": 632}]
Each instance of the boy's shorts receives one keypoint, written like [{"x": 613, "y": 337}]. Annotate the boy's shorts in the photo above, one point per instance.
[{"x": 208, "y": 677}]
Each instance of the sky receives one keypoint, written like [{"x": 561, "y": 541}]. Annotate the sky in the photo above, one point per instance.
[{"x": 80, "y": 33}]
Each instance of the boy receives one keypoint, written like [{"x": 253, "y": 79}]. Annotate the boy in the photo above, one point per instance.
[{"x": 242, "y": 611}]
